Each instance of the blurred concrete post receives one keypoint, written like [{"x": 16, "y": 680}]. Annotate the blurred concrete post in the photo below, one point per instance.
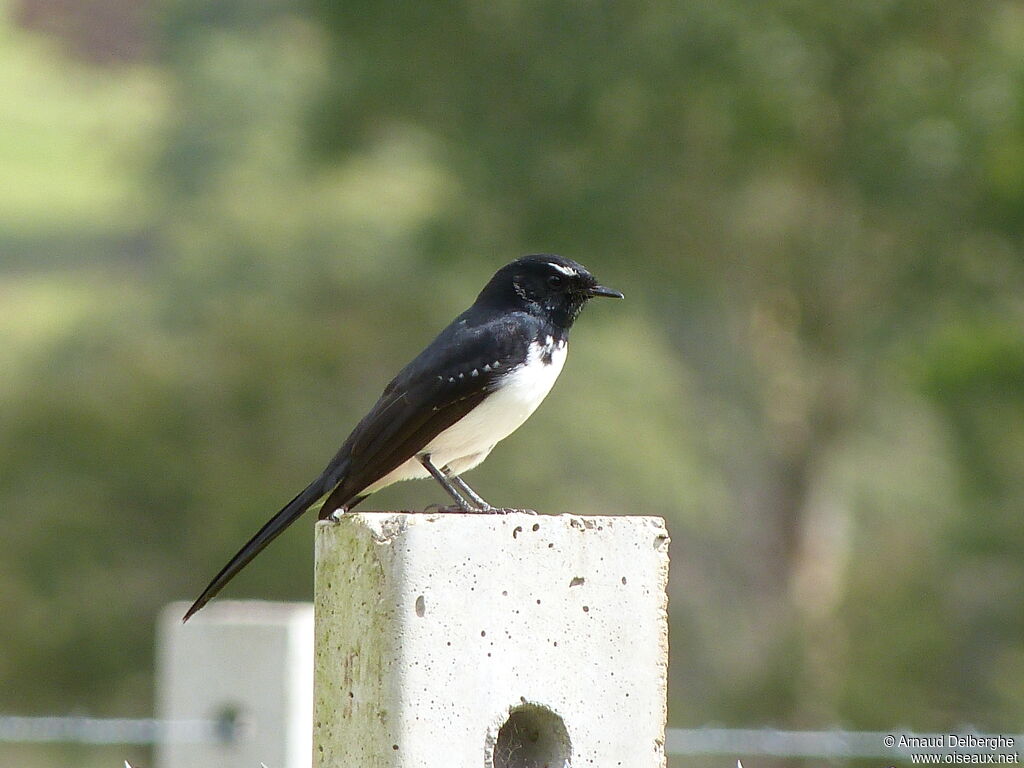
[
  {"x": 247, "y": 666},
  {"x": 499, "y": 641}
]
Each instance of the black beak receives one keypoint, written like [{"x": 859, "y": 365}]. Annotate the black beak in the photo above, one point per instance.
[{"x": 600, "y": 290}]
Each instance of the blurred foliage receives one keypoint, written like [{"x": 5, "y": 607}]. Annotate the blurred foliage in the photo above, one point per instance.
[{"x": 216, "y": 251}]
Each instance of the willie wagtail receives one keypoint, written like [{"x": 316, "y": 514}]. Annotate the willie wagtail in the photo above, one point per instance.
[{"x": 473, "y": 385}]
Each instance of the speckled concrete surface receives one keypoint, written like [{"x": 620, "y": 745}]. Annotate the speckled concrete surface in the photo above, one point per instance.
[
  {"x": 250, "y": 658},
  {"x": 433, "y": 631}
]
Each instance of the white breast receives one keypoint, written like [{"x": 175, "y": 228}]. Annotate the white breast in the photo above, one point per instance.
[
  {"x": 467, "y": 442},
  {"x": 518, "y": 394}
]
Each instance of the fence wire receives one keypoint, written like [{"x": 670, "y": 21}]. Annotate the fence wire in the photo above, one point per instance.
[
  {"x": 891, "y": 745},
  {"x": 836, "y": 744},
  {"x": 71, "y": 729}
]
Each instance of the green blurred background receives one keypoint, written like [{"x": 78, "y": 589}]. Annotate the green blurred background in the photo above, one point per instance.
[{"x": 224, "y": 225}]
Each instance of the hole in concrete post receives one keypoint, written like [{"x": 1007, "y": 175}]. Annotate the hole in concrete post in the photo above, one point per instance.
[{"x": 532, "y": 737}]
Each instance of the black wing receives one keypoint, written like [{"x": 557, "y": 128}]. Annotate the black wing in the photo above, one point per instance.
[
  {"x": 430, "y": 394},
  {"x": 445, "y": 382}
]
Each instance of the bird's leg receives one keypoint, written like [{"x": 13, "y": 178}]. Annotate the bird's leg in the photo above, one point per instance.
[
  {"x": 470, "y": 493},
  {"x": 438, "y": 475}
]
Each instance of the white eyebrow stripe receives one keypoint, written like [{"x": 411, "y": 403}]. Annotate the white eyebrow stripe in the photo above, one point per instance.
[{"x": 567, "y": 271}]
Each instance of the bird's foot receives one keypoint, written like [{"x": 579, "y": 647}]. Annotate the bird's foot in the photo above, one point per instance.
[
  {"x": 455, "y": 509},
  {"x": 450, "y": 509},
  {"x": 489, "y": 510}
]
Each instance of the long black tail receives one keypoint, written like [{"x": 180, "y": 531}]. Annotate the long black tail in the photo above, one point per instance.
[{"x": 271, "y": 530}]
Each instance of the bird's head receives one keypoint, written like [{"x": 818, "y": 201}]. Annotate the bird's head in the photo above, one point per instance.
[{"x": 545, "y": 284}]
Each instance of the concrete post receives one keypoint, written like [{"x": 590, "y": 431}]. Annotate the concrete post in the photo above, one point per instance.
[
  {"x": 499, "y": 641},
  {"x": 247, "y": 665}
]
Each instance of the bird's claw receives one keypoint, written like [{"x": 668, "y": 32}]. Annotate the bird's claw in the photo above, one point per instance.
[
  {"x": 452, "y": 509},
  {"x": 455, "y": 509}
]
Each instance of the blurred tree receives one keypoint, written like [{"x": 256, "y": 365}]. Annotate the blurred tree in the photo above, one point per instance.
[
  {"x": 796, "y": 192},
  {"x": 815, "y": 217}
]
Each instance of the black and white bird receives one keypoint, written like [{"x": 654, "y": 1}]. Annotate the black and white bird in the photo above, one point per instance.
[{"x": 473, "y": 385}]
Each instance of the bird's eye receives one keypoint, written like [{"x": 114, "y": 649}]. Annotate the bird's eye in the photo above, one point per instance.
[{"x": 555, "y": 281}]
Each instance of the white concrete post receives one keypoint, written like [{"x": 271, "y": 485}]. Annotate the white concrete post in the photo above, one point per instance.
[
  {"x": 498, "y": 641},
  {"x": 248, "y": 665}
]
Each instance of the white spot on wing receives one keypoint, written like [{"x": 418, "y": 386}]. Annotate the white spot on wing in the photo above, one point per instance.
[
  {"x": 518, "y": 394},
  {"x": 468, "y": 441}
]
